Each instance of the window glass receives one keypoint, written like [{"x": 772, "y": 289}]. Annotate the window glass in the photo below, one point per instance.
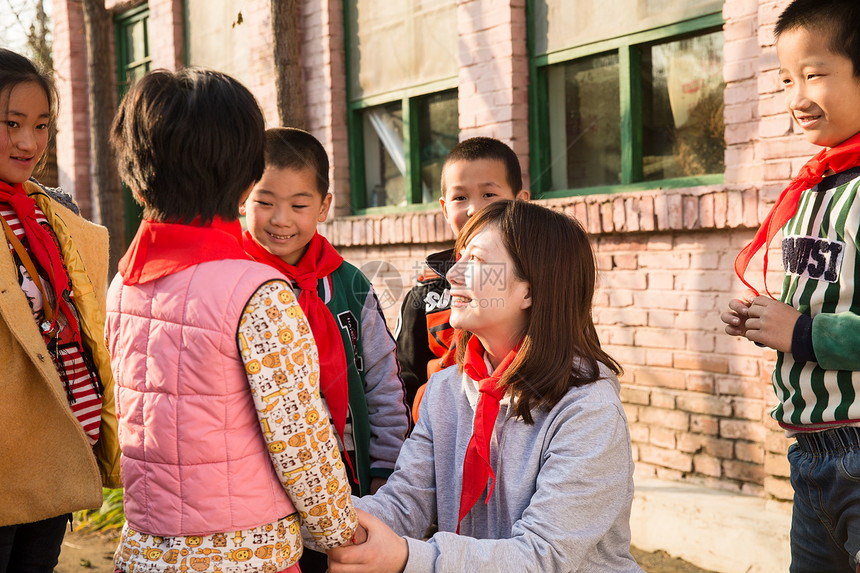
[
  {"x": 585, "y": 123},
  {"x": 560, "y": 24},
  {"x": 438, "y": 132},
  {"x": 682, "y": 108},
  {"x": 134, "y": 57},
  {"x": 384, "y": 156}
]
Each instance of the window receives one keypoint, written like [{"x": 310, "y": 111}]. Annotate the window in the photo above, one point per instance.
[
  {"x": 132, "y": 43},
  {"x": 133, "y": 61},
  {"x": 403, "y": 102},
  {"x": 640, "y": 111},
  {"x": 393, "y": 177}
]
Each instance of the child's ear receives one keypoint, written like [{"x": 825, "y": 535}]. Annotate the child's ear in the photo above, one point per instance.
[
  {"x": 444, "y": 209},
  {"x": 326, "y": 205},
  {"x": 242, "y": 210},
  {"x": 523, "y": 195}
]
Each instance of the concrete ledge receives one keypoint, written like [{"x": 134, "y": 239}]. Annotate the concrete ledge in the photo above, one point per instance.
[{"x": 713, "y": 529}]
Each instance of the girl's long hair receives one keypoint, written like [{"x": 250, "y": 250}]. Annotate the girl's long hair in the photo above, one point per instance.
[{"x": 560, "y": 349}]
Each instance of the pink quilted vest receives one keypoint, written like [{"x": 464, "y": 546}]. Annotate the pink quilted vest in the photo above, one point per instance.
[{"x": 194, "y": 460}]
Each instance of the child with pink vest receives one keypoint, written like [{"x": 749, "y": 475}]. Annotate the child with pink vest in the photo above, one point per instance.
[{"x": 226, "y": 446}]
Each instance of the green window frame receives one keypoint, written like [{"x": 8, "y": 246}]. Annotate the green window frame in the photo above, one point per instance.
[
  {"x": 629, "y": 51},
  {"x": 409, "y": 101},
  {"x": 131, "y": 65}
]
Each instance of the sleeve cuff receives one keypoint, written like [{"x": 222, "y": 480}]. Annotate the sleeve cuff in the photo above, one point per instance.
[
  {"x": 801, "y": 340},
  {"x": 422, "y": 556}
]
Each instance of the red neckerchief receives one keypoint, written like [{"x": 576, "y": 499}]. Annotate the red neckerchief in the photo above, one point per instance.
[
  {"x": 476, "y": 465},
  {"x": 839, "y": 158},
  {"x": 43, "y": 247},
  {"x": 318, "y": 262},
  {"x": 161, "y": 249}
]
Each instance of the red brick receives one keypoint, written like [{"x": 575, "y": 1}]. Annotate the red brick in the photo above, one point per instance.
[
  {"x": 738, "y": 386},
  {"x": 639, "y": 432},
  {"x": 633, "y": 395},
  {"x": 736, "y": 429},
  {"x": 743, "y": 471},
  {"x": 646, "y": 214},
  {"x": 655, "y": 357},
  {"x": 749, "y": 452},
  {"x": 707, "y": 465},
  {"x": 619, "y": 215},
  {"x": 632, "y": 412},
  {"x": 625, "y": 261},
  {"x": 704, "y": 404},
  {"x": 706, "y": 362},
  {"x": 700, "y": 383},
  {"x": 606, "y": 219},
  {"x": 664, "y": 260},
  {"x": 673, "y": 419},
  {"x": 667, "y": 474},
  {"x": 659, "y": 338},
  {"x": 778, "y": 488},
  {"x": 747, "y": 409},
  {"x": 662, "y": 377},
  {"x": 663, "y": 399},
  {"x": 662, "y": 438},
  {"x": 777, "y": 443},
  {"x": 671, "y": 459},
  {"x": 776, "y": 465}
]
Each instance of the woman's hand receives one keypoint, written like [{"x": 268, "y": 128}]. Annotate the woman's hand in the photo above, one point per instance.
[{"x": 383, "y": 552}]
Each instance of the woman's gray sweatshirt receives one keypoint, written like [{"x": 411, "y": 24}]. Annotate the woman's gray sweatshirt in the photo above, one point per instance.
[{"x": 563, "y": 491}]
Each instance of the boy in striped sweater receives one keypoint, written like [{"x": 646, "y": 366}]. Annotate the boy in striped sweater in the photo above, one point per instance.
[{"x": 815, "y": 325}]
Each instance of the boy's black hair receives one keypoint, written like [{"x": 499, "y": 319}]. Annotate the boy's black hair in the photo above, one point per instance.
[
  {"x": 15, "y": 70},
  {"x": 836, "y": 21},
  {"x": 476, "y": 148},
  {"x": 189, "y": 143},
  {"x": 291, "y": 148}
]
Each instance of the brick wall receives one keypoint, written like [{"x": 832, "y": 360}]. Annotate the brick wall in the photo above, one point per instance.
[
  {"x": 494, "y": 72},
  {"x": 70, "y": 74},
  {"x": 697, "y": 399},
  {"x": 324, "y": 72},
  {"x": 167, "y": 48}
]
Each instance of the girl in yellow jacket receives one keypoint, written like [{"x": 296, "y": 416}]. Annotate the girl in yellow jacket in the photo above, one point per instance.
[{"x": 58, "y": 441}]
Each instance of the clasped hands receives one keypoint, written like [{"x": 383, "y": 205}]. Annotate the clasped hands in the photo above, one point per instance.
[
  {"x": 763, "y": 320},
  {"x": 376, "y": 549}
]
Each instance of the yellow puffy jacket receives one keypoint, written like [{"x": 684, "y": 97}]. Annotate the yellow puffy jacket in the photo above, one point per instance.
[{"x": 47, "y": 467}]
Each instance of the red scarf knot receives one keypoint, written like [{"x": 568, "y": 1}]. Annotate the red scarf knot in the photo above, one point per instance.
[
  {"x": 844, "y": 156},
  {"x": 162, "y": 248},
  {"x": 320, "y": 260},
  {"x": 43, "y": 246},
  {"x": 476, "y": 465}
]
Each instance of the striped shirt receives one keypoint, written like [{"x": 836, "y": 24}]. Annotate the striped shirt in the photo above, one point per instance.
[
  {"x": 820, "y": 249},
  {"x": 67, "y": 354}
]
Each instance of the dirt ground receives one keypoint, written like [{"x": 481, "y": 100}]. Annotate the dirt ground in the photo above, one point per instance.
[{"x": 90, "y": 553}]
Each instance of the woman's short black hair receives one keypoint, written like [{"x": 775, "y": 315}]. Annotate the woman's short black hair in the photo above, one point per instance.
[{"x": 189, "y": 144}]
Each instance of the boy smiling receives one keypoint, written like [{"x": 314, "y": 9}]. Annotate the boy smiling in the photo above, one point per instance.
[
  {"x": 359, "y": 376},
  {"x": 815, "y": 326}
]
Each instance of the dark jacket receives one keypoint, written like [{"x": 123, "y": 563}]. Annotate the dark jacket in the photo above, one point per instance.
[{"x": 423, "y": 333}]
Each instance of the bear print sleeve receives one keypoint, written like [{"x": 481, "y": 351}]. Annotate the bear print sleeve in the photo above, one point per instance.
[{"x": 281, "y": 361}]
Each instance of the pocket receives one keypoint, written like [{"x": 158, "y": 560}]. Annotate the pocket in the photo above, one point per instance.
[{"x": 849, "y": 465}]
